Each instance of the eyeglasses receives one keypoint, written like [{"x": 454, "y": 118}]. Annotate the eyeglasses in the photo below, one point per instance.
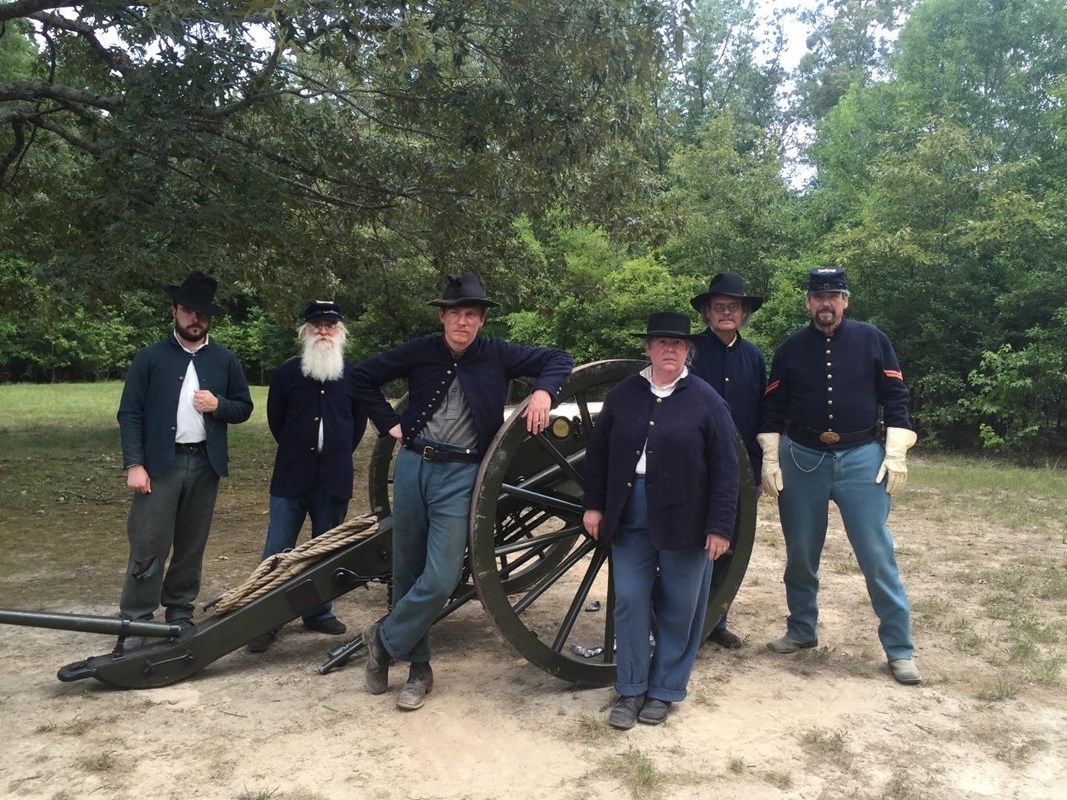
[
  {"x": 324, "y": 324},
  {"x": 720, "y": 308}
]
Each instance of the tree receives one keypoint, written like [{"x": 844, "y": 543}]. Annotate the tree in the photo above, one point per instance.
[
  {"x": 302, "y": 147},
  {"x": 942, "y": 191},
  {"x": 719, "y": 69},
  {"x": 847, "y": 47}
]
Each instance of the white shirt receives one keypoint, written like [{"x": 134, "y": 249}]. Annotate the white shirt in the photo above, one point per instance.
[
  {"x": 659, "y": 391},
  {"x": 190, "y": 425}
]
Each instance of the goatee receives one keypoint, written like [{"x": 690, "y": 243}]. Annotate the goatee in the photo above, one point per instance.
[{"x": 324, "y": 359}]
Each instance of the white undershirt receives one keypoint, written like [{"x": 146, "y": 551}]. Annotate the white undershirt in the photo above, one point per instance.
[
  {"x": 190, "y": 424},
  {"x": 658, "y": 391}
]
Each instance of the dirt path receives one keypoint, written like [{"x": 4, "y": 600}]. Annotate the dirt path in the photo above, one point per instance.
[{"x": 986, "y": 723}]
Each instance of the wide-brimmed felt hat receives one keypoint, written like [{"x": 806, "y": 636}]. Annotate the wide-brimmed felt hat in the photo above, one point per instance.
[
  {"x": 729, "y": 284},
  {"x": 465, "y": 290},
  {"x": 668, "y": 325},
  {"x": 827, "y": 279},
  {"x": 196, "y": 293},
  {"x": 322, "y": 309}
]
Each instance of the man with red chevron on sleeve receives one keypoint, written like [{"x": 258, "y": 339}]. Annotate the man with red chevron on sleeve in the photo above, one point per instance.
[{"x": 819, "y": 438}]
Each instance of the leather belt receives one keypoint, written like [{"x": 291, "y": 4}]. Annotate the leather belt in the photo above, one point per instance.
[
  {"x": 812, "y": 437},
  {"x": 430, "y": 453},
  {"x": 191, "y": 449}
]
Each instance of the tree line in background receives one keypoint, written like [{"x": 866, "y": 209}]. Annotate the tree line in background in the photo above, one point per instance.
[{"x": 592, "y": 160}]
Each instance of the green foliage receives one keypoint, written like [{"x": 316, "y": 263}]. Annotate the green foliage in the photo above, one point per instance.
[
  {"x": 592, "y": 329},
  {"x": 733, "y": 208},
  {"x": 941, "y": 190},
  {"x": 1020, "y": 396},
  {"x": 353, "y": 140},
  {"x": 593, "y": 161}
]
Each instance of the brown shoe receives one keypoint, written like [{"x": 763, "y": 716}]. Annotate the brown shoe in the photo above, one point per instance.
[
  {"x": 624, "y": 713},
  {"x": 420, "y": 684},
  {"x": 654, "y": 712},
  {"x": 330, "y": 625},
  {"x": 376, "y": 670},
  {"x": 724, "y": 637},
  {"x": 262, "y": 643},
  {"x": 787, "y": 644}
]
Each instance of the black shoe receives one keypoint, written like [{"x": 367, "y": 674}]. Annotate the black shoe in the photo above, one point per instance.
[
  {"x": 654, "y": 712},
  {"x": 420, "y": 684},
  {"x": 724, "y": 637},
  {"x": 262, "y": 642},
  {"x": 330, "y": 625},
  {"x": 624, "y": 713},
  {"x": 376, "y": 670}
]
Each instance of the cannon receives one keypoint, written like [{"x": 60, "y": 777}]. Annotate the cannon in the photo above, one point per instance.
[{"x": 529, "y": 562}]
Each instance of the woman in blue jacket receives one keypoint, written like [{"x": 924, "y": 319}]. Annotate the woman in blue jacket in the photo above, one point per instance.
[{"x": 661, "y": 481}]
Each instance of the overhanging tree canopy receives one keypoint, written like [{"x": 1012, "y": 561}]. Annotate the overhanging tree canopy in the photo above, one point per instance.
[{"x": 310, "y": 143}]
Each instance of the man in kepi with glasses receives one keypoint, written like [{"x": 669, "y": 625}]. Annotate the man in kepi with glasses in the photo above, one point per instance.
[
  {"x": 313, "y": 414},
  {"x": 456, "y": 391},
  {"x": 180, "y": 395},
  {"x": 736, "y": 369},
  {"x": 828, "y": 382}
]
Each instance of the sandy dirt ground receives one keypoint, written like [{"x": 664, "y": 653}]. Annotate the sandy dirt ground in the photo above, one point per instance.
[{"x": 827, "y": 723}]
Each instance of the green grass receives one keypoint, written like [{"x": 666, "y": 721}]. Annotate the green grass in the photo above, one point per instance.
[
  {"x": 637, "y": 773},
  {"x": 957, "y": 475},
  {"x": 1001, "y": 690},
  {"x": 61, "y": 445},
  {"x": 846, "y": 567},
  {"x": 1005, "y": 495},
  {"x": 828, "y": 746},
  {"x": 47, "y": 420}
]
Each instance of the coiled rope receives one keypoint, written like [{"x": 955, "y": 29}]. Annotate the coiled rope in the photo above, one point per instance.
[{"x": 277, "y": 569}]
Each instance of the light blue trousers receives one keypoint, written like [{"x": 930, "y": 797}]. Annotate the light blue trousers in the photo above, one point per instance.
[
  {"x": 287, "y": 515},
  {"x": 679, "y": 599},
  {"x": 431, "y": 509},
  {"x": 812, "y": 478}
]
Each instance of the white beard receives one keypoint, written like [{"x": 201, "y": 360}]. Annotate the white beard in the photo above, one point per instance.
[{"x": 324, "y": 360}]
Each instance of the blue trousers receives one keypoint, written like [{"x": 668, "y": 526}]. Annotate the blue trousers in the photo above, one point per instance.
[
  {"x": 679, "y": 599},
  {"x": 812, "y": 478},
  {"x": 287, "y": 515},
  {"x": 175, "y": 516},
  {"x": 431, "y": 512}
]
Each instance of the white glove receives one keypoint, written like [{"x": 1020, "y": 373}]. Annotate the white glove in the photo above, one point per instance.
[
  {"x": 897, "y": 442},
  {"x": 772, "y": 471}
]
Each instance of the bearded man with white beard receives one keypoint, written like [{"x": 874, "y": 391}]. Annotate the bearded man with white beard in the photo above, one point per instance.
[{"x": 313, "y": 414}]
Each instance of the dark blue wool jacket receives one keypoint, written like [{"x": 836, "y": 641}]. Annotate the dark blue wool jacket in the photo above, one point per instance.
[
  {"x": 691, "y": 476},
  {"x": 295, "y": 406},
  {"x": 148, "y": 411},
  {"x": 739, "y": 374},
  {"x": 835, "y": 382},
  {"x": 484, "y": 370}
]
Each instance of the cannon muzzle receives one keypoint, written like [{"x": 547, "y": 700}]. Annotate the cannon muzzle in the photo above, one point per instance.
[{"x": 84, "y": 623}]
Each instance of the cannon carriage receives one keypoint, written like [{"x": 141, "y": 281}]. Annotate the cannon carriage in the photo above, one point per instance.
[{"x": 529, "y": 562}]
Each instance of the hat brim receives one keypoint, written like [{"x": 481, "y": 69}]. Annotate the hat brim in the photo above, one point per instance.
[
  {"x": 198, "y": 306},
  {"x": 700, "y": 302},
  {"x": 463, "y": 301},
  {"x": 692, "y": 337}
]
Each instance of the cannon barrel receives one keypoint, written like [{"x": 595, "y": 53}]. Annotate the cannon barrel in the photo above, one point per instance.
[{"x": 85, "y": 623}]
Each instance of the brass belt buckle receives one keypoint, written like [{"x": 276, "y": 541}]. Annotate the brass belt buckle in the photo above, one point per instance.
[
  {"x": 427, "y": 453},
  {"x": 829, "y": 437}
]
